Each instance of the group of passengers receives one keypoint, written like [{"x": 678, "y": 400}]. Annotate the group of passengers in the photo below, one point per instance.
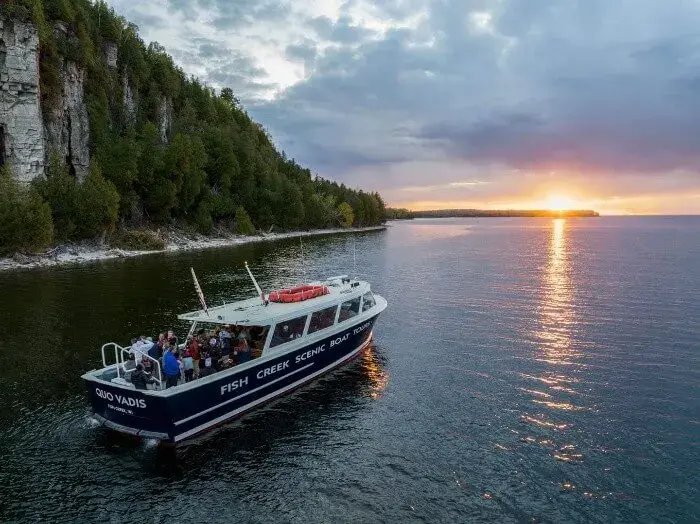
[{"x": 205, "y": 353}]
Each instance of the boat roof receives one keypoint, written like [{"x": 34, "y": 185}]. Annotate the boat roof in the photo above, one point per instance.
[{"x": 253, "y": 312}]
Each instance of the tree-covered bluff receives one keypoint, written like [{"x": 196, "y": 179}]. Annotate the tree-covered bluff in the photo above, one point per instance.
[{"x": 164, "y": 149}]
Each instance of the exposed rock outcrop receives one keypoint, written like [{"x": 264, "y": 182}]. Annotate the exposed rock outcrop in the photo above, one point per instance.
[
  {"x": 129, "y": 101},
  {"x": 67, "y": 125},
  {"x": 110, "y": 51},
  {"x": 165, "y": 117},
  {"x": 20, "y": 112}
]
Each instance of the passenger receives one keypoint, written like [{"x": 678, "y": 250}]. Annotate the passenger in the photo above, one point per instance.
[
  {"x": 206, "y": 370},
  {"x": 130, "y": 364},
  {"x": 141, "y": 345},
  {"x": 225, "y": 339},
  {"x": 171, "y": 367},
  {"x": 193, "y": 348},
  {"x": 244, "y": 335},
  {"x": 139, "y": 378},
  {"x": 188, "y": 365},
  {"x": 242, "y": 349},
  {"x": 156, "y": 349},
  {"x": 215, "y": 355}
]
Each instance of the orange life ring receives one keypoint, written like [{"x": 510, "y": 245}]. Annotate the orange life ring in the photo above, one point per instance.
[{"x": 298, "y": 293}]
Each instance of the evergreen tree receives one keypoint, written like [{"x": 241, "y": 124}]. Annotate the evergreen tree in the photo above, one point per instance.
[
  {"x": 25, "y": 219},
  {"x": 244, "y": 226},
  {"x": 346, "y": 216}
]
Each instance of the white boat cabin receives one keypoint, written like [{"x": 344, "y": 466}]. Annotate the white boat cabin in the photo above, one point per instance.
[{"x": 273, "y": 324}]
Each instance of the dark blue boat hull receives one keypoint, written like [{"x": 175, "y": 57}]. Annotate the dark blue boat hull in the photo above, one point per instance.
[{"x": 183, "y": 412}]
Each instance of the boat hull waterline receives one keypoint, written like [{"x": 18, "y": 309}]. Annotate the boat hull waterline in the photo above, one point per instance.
[{"x": 188, "y": 410}]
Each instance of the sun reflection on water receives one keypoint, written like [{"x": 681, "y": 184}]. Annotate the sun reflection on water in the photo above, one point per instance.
[
  {"x": 373, "y": 369},
  {"x": 556, "y": 311},
  {"x": 555, "y": 348}
]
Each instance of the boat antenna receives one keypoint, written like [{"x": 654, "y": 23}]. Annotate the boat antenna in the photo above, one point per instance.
[
  {"x": 255, "y": 283},
  {"x": 198, "y": 288},
  {"x": 303, "y": 263}
]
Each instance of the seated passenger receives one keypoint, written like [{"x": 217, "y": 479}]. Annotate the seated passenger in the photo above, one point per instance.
[
  {"x": 242, "y": 350},
  {"x": 225, "y": 339},
  {"x": 207, "y": 369},
  {"x": 281, "y": 335},
  {"x": 139, "y": 378}
]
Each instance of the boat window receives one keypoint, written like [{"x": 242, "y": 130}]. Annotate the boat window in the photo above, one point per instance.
[
  {"x": 368, "y": 301},
  {"x": 349, "y": 309},
  {"x": 288, "y": 330},
  {"x": 322, "y": 319}
]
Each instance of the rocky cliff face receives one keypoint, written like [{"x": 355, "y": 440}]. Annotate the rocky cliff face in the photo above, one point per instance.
[
  {"x": 30, "y": 136},
  {"x": 165, "y": 117},
  {"x": 67, "y": 128},
  {"x": 20, "y": 111},
  {"x": 129, "y": 101}
]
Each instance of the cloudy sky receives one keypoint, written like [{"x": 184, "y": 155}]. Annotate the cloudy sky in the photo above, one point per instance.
[{"x": 462, "y": 103}]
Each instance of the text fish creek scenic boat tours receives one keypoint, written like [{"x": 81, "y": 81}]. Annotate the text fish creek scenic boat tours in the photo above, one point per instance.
[{"x": 235, "y": 357}]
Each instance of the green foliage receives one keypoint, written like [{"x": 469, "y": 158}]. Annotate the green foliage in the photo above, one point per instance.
[
  {"x": 346, "y": 216},
  {"x": 177, "y": 152},
  {"x": 25, "y": 219},
  {"x": 97, "y": 205},
  {"x": 202, "y": 219},
  {"x": 59, "y": 190},
  {"x": 398, "y": 214},
  {"x": 243, "y": 224},
  {"x": 78, "y": 210},
  {"x": 136, "y": 240}
]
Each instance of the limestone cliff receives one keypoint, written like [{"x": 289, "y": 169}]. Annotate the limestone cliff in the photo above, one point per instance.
[
  {"x": 21, "y": 125},
  {"x": 67, "y": 128},
  {"x": 30, "y": 134}
]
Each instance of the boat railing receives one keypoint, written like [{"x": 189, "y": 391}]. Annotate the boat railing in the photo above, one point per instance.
[{"x": 120, "y": 352}]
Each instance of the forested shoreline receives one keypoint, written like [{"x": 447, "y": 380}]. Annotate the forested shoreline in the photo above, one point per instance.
[
  {"x": 406, "y": 214},
  {"x": 165, "y": 149}
]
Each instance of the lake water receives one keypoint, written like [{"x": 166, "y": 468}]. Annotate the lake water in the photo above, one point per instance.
[{"x": 526, "y": 370}]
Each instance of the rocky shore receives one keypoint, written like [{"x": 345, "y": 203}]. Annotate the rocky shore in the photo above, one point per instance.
[{"x": 91, "y": 252}]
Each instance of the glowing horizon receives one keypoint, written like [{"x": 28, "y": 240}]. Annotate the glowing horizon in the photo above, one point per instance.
[{"x": 647, "y": 204}]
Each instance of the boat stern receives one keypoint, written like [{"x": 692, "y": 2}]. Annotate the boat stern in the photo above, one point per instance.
[{"x": 122, "y": 408}]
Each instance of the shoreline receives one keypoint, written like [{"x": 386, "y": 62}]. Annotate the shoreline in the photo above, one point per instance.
[{"x": 82, "y": 253}]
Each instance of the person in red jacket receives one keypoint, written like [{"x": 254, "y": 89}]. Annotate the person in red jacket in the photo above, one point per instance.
[{"x": 193, "y": 350}]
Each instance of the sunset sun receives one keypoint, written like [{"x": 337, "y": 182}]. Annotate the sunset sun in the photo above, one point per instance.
[{"x": 560, "y": 203}]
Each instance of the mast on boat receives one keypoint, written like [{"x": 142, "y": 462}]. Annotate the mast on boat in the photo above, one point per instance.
[
  {"x": 255, "y": 283},
  {"x": 200, "y": 294}
]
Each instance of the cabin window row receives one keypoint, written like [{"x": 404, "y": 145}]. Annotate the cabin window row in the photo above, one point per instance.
[{"x": 321, "y": 319}]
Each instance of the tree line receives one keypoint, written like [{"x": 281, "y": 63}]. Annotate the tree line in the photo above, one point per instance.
[
  {"x": 211, "y": 166},
  {"x": 405, "y": 214}
]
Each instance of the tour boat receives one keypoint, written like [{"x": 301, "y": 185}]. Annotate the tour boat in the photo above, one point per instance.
[{"x": 303, "y": 332}]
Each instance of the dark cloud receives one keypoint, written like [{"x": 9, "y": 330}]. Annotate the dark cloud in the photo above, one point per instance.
[
  {"x": 541, "y": 84},
  {"x": 609, "y": 87}
]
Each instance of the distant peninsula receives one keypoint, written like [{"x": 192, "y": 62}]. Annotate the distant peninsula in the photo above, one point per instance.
[{"x": 406, "y": 214}]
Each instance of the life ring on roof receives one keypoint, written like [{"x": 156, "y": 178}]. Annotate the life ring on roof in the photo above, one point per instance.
[{"x": 297, "y": 294}]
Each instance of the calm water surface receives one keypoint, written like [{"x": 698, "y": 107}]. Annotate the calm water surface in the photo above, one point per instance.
[{"x": 525, "y": 370}]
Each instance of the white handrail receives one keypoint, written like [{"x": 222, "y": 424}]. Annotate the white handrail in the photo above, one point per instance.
[
  {"x": 148, "y": 357},
  {"x": 119, "y": 360}
]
